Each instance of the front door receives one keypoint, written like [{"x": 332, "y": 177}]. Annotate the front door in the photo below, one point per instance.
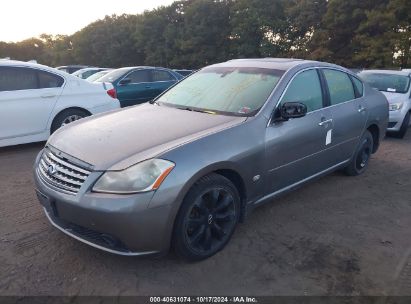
[{"x": 297, "y": 149}]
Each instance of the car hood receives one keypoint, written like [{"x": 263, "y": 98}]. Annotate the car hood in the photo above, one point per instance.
[
  {"x": 120, "y": 139},
  {"x": 395, "y": 97}
]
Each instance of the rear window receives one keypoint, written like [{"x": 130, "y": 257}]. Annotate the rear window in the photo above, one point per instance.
[
  {"x": 48, "y": 80},
  {"x": 358, "y": 86},
  {"x": 159, "y": 75}
]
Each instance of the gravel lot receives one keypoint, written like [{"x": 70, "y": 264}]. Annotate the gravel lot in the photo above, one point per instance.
[{"x": 336, "y": 236}]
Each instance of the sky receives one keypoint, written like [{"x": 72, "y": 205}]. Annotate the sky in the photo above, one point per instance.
[{"x": 22, "y": 19}]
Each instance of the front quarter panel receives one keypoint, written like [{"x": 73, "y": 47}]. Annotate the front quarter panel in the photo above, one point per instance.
[
  {"x": 239, "y": 148},
  {"x": 377, "y": 107}
]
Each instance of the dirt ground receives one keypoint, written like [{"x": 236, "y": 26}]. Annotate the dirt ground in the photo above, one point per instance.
[{"x": 337, "y": 236}]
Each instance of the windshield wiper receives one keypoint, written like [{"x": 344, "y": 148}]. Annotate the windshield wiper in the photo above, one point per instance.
[{"x": 196, "y": 110}]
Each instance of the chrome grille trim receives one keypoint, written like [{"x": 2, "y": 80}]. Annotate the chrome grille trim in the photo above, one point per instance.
[{"x": 68, "y": 176}]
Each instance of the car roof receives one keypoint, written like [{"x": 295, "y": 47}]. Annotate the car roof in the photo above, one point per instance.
[
  {"x": 73, "y": 66},
  {"x": 16, "y": 63},
  {"x": 21, "y": 63},
  {"x": 390, "y": 72},
  {"x": 284, "y": 64}
]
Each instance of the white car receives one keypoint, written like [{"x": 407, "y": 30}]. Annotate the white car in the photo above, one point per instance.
[
  {"x": 36, "y": 100},
  {"x": 396, "y": 86}
]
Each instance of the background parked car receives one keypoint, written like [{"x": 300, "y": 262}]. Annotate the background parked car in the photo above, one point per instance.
[
  {"x": 395, "y": 85},
  {"x": 35, "y": 100},
  {"x": 71, "y": 68},
  {"x": 98, "y": 75},
  {"x": 136, "y": 85},
  {"x": 87, "y": 72}
]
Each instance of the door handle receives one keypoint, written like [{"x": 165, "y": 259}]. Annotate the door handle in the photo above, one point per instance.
[
  {"x": 325, "y": 122},
  {"x": 47, "y": 95},
  {"x": 361, "y": 109},
  {"x": 148, "y": 87}
]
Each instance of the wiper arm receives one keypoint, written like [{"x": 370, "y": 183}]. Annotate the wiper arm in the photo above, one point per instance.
[{"x": 196, "y": 110}]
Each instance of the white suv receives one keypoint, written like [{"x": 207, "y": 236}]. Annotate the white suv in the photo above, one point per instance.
[
  {"x": 35, "y": 100},
  {"x": 395, "y": 85}
]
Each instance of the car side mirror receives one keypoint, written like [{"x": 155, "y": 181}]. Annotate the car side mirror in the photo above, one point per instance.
[
  {"x": 293, "y": 110},
  {"x": 125, "y": 81}
]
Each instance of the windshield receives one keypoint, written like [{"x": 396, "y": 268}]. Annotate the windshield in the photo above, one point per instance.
[
  {"x": 112, "y": 76},
  {"x": 238, "y": 91},
  {"x": 97, "y": 75},
  {"x": 387, "y": 82}
]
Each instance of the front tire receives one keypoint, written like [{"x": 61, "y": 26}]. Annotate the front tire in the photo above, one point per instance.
[
  {"x": 362, "y": 155},
  {"x": 207, "y": 218},
  {"x": 66, "y": 117}
]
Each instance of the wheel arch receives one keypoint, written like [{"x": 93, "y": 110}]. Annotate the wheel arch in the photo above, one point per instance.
[
  {"x": 376, "y": 135},
  {"x": 66, "y": 109},
  {"x": 225, "y": 169}
]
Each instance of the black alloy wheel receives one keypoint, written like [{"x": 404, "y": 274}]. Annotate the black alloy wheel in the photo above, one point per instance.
[{"x": 207, "y": 218}]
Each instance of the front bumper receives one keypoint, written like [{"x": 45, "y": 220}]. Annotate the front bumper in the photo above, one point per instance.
[
  {"x": 120, "y": 224},
  {"x": 395, "y": 120}
]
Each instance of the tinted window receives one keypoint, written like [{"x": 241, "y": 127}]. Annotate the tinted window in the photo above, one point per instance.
[
  {"x": 387, "y": 82},
  {"x": 305, "y": 88},
  {"x": 139, "y": 76},
  {"x": 13, "y": 79},
  {"x": 340, "y": 86},
  {"x": 225, "y": 90},
  {"x": 48, "y": 80},
  {"x": 159, "y": 75},
  {"x": 359, "y": 86}
]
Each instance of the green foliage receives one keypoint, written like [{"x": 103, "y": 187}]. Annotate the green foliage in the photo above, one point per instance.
[{"x": 195, "y": 33}]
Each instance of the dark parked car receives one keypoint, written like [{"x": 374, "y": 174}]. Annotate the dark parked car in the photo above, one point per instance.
[
  {"x": 183, "y": 170},
  {"x": 140, "y": 84},
  {"x": 71, "y": 68}
]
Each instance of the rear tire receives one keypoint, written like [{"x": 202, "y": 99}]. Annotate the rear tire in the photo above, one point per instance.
[
  {"x": 362, "y": 155},
  {"x": 207, "y": 218},
  {"x": 66, "y": 117},
  {"x": 404, "y": 127}
]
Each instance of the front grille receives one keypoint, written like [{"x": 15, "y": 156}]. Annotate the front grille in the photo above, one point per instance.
[{"x": 61, "y": 173}]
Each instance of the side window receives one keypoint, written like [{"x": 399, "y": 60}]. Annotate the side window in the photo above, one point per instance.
[
  {"x": 48, "y": 80},
  {"x": 340, "y": 86},
  {"x": 359, "y": 86},
  {"x": 305, "y": 88},
  {"x": 139, "y": 76},
  {"x": 159, "y": 75},
  {"x": 17, "y": 78}
]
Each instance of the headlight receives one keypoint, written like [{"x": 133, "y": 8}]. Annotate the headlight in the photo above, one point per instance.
[
  {"x": 395, "y": 106},
  {"x": 145, "y": 176}
]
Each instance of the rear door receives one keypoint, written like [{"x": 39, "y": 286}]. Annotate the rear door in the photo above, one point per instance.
[
  {"x": 161, "y": 81},
  {"x": 349, "y": 112},
  {"x": 27, "y": 98},
  {"x": 138, "y": 90},
  {"x": 297, "y": 149}
]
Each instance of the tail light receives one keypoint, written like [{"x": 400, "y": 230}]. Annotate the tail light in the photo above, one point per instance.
[{"x": 112, "y": 93}]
